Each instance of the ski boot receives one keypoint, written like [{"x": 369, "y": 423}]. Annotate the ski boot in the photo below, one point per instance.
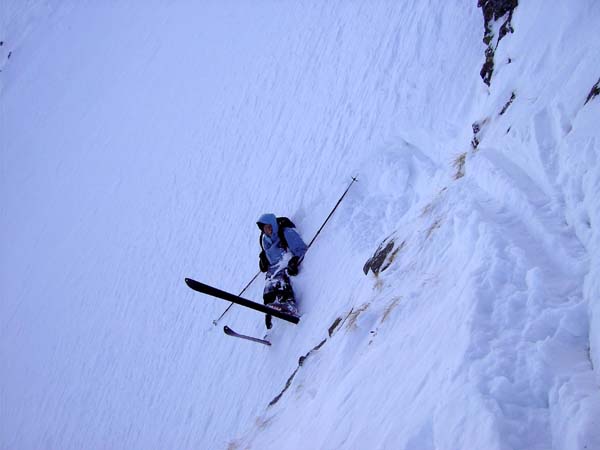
[{"x": 286, "y": 305}]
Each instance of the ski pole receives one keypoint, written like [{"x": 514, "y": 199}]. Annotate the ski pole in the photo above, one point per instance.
[
  {"x": 332, "y": 211},
  {"x": 216, "y": 322}
]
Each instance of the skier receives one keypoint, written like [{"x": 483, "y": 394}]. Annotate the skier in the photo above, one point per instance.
[{"x": 282, "y": 253}]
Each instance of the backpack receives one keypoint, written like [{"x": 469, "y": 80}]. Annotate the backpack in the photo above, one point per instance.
[{"x": 282, "y": 223}]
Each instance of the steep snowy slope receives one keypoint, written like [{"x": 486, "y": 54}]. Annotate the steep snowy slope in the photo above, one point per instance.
[{"x": 140, "y": 143}]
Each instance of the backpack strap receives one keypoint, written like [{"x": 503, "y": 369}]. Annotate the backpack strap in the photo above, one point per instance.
[
  {"x": 282, "y": 223},
  {"x": 263, "y": 261}
]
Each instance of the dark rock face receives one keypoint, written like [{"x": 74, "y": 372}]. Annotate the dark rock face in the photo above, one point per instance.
[
  {"x": 508, "y": 103},
  {"x": 594, "y": 92},
  {"x": 383, "y": 256},
  {"x": 375, "y": 262},
  {"x": 494, "y": 10},
  {"x": 488, "y": 66},
  {"x": 476, "y": 129}
]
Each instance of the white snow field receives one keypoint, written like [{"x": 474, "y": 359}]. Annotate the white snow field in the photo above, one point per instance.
[{"x": 139, "y": 143}]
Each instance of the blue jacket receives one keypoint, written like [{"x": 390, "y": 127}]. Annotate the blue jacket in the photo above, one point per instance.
[{"x": 272, "y": 244}]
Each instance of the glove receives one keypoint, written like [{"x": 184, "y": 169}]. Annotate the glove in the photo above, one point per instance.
[{"x": 293, "y": 264}]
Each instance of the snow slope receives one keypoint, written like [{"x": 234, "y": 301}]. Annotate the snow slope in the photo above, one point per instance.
[{"x": 140, "y": 143}]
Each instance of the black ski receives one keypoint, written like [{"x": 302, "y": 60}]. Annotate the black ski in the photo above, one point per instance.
[
  {"x": 229, "y": 332},
  {"x": 214, "y": 292}
]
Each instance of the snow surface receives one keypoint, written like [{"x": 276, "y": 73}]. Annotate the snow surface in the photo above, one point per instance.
[{"x": 140, "y": 143}]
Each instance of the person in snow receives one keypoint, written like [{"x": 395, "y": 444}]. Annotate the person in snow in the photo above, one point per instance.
[{"x": 282, "y": 253}]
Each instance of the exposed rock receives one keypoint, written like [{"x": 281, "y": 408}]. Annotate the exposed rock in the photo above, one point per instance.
[
  {"x": 494, "y": 10},
  {"x": 508, "y": 103},
  {"x": 594, "y": 92},
  {"x": 334, "y": 325},
  {"x": 383, "y": 257},
  {"x": 353, "y": 316},
  {"x": 375, "y": 262},
  {"x": 488, "y": 66},
  {"x": 332, "y": 328},
  {"x": 459, "y": 165},
  {"x": 301, "y": 360},
  {"x": 476, "y": 129}
]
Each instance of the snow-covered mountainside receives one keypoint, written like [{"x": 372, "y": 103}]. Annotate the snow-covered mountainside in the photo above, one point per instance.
[{"x": 452, "y": 302}]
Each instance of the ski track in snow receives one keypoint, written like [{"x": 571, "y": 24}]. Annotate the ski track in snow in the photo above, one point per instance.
[{"x": 139, "y": 145}]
